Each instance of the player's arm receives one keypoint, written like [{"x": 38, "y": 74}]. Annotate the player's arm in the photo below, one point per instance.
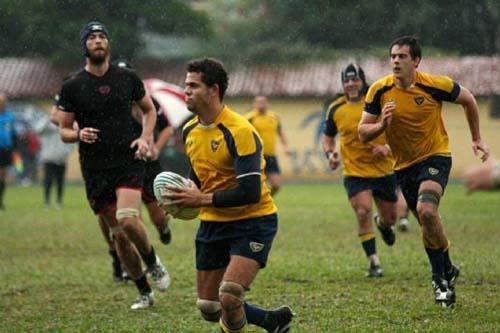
[
  {"x": 148, "y": 116},
  {"x": 66, "y": 130},
  {"x": 248, "y": 190},
  {"x": 469, "y": 103},
  {"x": 284, "y": 140},
  {"x": 371, "y": 126}
]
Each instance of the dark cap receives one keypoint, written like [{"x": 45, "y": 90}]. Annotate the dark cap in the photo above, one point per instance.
[{"x": 91, "y": 27}]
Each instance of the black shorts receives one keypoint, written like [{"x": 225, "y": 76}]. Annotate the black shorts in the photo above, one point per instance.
[
  {"x": 101, "y": 185},
  {"x": 436, "y": 168},
  {"x": 5, "y": 157},
  {"x": 152, "y": 169},
  {"x": 383, "y": 188},
  {"x": 272, "y": 165},
  {"x": 251, "y": 238}
]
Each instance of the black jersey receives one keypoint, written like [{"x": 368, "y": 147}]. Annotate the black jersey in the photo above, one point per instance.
[
  {"x": 161, "y": 120},
  {"x": 104, "y": 102}
]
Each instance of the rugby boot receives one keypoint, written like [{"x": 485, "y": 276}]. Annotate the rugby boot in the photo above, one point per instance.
[
  {"x": 160, "y": 275},
  {"x": 144, "y": 300},
  {"x": 375, "y": 271},
  {"x": 279, "y": 320}
]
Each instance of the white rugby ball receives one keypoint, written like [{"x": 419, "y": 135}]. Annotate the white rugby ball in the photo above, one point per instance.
[{"x": 167, "y": 178}]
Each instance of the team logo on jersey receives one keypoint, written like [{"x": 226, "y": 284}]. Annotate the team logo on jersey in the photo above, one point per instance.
[
  {"x": 419, "y": 99},
  {"x": 433, "y": 171},
  {"x": 256, "y": 247},
  {"x": 214, "y": 144},
  {"x": 104, "y": 90}
]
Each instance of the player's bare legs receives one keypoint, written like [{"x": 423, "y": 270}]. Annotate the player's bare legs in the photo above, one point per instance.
[
  {"x": 428, "y": 215},
  {"x": 402, "y": 212},
  {"x": 480, "y": 177},
  {"x": 361, "y": 203},
  {"x": 160, "y": 219}
]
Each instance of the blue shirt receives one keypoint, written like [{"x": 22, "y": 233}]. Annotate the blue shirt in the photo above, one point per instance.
[{"x": 7, "y": 129}]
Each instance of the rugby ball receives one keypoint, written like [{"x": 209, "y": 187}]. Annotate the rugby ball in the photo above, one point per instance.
[{"x": 172, "y": 179}]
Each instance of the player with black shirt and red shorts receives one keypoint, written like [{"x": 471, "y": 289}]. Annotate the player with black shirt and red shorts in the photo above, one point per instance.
[{"x": 99, "y": 98}]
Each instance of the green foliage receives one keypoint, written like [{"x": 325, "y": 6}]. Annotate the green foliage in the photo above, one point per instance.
[
  {"x": 56, "y": 273},
  {"x": 51, "y": 28}
]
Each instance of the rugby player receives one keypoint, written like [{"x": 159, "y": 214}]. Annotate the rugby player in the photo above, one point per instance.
[
  {"x": 238, "y": 217},
  {"x": 406, "y": 106},
  {"x": 484, "y": 177},
  {"x": 7, "y": 143},
  {"x": 268, "y": 126},
  {"x": 368, "y": 174},
  {"x": 99, "y": 98}
]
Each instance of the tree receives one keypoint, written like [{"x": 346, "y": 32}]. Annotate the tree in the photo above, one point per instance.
[{"x": 50, "y": 28}]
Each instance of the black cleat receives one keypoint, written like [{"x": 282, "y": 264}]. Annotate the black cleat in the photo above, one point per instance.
[
  {"x": 282, "y": 319},
  {"x": 443, "y": 295},
  {"x": 387, "y": 232},
  {"x": 375, "y": 271},
  {"x": 452, "y": 276},
  {"x": 166, "y": 236}
]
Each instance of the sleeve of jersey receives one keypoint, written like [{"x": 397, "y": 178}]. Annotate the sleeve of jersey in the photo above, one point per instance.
[
  {"x": 138, "y": 87},
  {"x": 63, "y": 103},
  {"x": 445, "y": 89},
  {"x": 330, "y": 127},
  {"x": 372, "y": 100},
  {"x": 247, "y": 158}
]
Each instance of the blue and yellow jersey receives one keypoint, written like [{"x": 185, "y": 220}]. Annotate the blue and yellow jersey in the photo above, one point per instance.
[
  {"x": 221, "y": 153},
  {"x": 268, "y": 126},
  {"x": 417, "y": 129},
  {"x": 359, "y": 161}
]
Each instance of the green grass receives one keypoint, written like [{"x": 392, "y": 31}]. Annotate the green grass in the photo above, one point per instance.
[{"x": 55, "y": 274}]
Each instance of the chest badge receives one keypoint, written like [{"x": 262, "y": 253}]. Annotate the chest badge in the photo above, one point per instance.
[
  {"x": 214, "y": 144},
  {"x": 419, "y": 99},
  {"x": 104, "y": 90}
]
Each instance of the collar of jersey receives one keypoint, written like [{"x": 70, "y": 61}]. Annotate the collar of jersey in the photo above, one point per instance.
[{"x": 217, "y": 120}]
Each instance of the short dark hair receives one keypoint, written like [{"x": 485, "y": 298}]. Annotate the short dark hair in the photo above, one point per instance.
[
  {"x": 212, "y": 73},
  {"x": 412, "y": 42}
]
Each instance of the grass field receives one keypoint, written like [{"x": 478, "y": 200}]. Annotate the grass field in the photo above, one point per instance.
[{"x": 55, "y": 274}]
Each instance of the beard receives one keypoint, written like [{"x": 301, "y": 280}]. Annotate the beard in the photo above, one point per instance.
[{"x": 98, "y": 59}]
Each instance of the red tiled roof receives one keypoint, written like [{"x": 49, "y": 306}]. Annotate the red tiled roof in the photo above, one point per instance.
[{"x": 30, "y": 78}]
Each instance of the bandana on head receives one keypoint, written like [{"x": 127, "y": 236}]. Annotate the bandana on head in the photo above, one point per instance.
[{"x": 90, "y": 27}]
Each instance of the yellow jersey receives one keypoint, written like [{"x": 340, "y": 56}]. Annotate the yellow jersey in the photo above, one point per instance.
[
  {"x": 417, "y": 129},
  {"x": 268, "y": 126},
  {"x": 219, "y": 154},
  {"x": 359, "y": 161}
]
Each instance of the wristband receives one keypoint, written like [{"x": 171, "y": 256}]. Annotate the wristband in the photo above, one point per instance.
[{"x": 78, "y": 135}]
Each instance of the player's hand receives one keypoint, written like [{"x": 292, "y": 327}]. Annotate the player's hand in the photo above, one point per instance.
[
  {"x": 381, "y": 150},
  {"x": 184, "y": 196},
  {"x": 154, "y": 153},
  {"x": 333, "y": 160},
  {"x": 477, "y": 146},
  {"x": 88, "y": 135},
  {"x": 142, "y": 152},
  {"x": 386, "y": 115}
]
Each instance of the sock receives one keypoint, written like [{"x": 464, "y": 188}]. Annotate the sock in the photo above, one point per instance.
[
  {"x": 447, "y": 261},
  {"x": 238, "y": 327},
  {"x": 115, "y": 257},
  {"x": 150, "y": 258},
  {"x": 436, "y": 258},
  {"x": 368, "y": 243},
  {"x": 143, "y": 285}
]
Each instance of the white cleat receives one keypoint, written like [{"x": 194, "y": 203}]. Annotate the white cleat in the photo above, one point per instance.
[
  {"x": 403, "y": 224},
  {"x": 160, "y": 275},
  {"x": 143, "y": 301}
]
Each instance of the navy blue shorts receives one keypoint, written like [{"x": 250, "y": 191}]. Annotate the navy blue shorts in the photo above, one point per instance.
[
  {"x": 383, "y": 188},
  {"x": 251, "y": 238},
  {"x": 436, "y": 168},
  {"x": 272, "y": 165}
]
